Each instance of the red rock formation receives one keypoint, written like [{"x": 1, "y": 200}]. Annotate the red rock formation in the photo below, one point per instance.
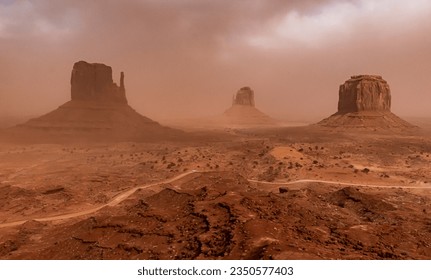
[
  {"x": 365, "y": 103},
  {"x": 98, "y": 111},
  {"x": 93, "y": 82},
  {"x": 243, "y": 112},
  {"x": 364, "y": 93},
  {"x": 244, "y": 96}
]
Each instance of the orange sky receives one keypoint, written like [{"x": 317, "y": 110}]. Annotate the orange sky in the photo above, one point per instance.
[{"x": 186, "y": 58}]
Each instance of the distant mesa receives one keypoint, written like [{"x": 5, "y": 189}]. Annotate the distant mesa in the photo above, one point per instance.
[
  {"x": 98, "y": 110},
  {"x": 365, "y": 102},
  {"x": 244, "y": 96},
  {"x": 243, "y": 112},
  {"x": 93, "y": 82},
  {"x": 364, "y": 93}
]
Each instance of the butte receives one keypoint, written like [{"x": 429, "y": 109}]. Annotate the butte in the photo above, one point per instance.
[
  {"x": 243, "y": 112},
  {"x": 98, "y": 110},
  {"x": 365, "y": 103}
]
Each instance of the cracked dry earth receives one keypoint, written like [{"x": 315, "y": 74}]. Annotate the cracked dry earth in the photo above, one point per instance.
[{"x": 220, "y": 215}]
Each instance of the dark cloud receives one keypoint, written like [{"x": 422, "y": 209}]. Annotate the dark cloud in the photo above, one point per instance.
[{"x": 188, "y": 57}]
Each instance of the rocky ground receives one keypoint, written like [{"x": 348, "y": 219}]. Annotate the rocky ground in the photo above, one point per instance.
[{"x": 225, "y": 211}]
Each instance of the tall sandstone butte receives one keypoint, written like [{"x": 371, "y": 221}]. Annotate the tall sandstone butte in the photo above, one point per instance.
[
  {"x": 244, "y": 96},
  {"x": 243, "y": 112},
  {"x": 93, "y": 82},
  {"x": 364, "y": 93},
  {"x": 98, "y": 110},
  {"x": 365, "y": 102}
]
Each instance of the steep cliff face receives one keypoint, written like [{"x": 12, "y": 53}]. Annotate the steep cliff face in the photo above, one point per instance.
[
  {"x": 364, "y": 93},
  {"x": 244, "y": 96},
  {"x": 98, "y": 110},
  {"x": 93, "y": 82},
  {"x": 365, "y": 103},
  {"x": 243, "y": 112}
]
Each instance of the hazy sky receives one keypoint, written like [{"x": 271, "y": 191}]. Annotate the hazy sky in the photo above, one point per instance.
[{"x": 187, "y": 57}]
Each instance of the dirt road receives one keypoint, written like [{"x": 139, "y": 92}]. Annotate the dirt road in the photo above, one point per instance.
[{"x": 123, "y": 196}]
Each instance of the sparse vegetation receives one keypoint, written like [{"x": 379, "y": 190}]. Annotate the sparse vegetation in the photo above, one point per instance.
[{"x": 365, "y": 170}]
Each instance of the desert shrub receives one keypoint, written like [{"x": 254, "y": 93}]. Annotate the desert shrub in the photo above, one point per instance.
[{"x": 365, "y": 170}]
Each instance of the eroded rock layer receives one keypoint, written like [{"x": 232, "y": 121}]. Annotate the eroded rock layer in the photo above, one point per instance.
[
  {"x": 98, "y": 110},
  {"x": 365, "y": 103},
  {"x": 243, "y": 112},
  {"x": 364, "y": 93},
  {"x": 93, "y": 81},
  {"x": 244, "y": 96}
]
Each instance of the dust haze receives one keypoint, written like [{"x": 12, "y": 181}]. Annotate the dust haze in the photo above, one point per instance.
[
  {"x": 227, "y": 134},
  {"x": 187, "y": 58}
]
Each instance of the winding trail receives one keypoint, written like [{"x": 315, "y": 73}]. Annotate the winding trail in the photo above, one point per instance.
[
  {"x": 116, "y": 200},
  {"x": 339, "y": 183},
  {"x": 123, "y": 196}
]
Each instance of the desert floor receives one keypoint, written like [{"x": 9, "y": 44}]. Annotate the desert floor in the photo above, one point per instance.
[{"x": 290, "y": 193}]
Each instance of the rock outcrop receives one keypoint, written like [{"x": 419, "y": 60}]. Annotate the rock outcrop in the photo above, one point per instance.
[
  {"x": 93, "y": 82},
  {"x": 243, "y": 112},
  {"x": 98, "y": 110},
  {"x": 244, "y": 96},
  {"x": 365, "y": 102},
  {"x": 364, "y": 93}
]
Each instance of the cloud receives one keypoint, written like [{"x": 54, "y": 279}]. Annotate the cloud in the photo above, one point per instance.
[
  {"x": 343, "y": 19},
  {"x": 27, "y": 19},
  {"x": 188, "y": 57}
]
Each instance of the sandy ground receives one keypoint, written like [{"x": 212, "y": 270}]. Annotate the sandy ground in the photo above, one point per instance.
[{"x": 286, "y": 193}]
